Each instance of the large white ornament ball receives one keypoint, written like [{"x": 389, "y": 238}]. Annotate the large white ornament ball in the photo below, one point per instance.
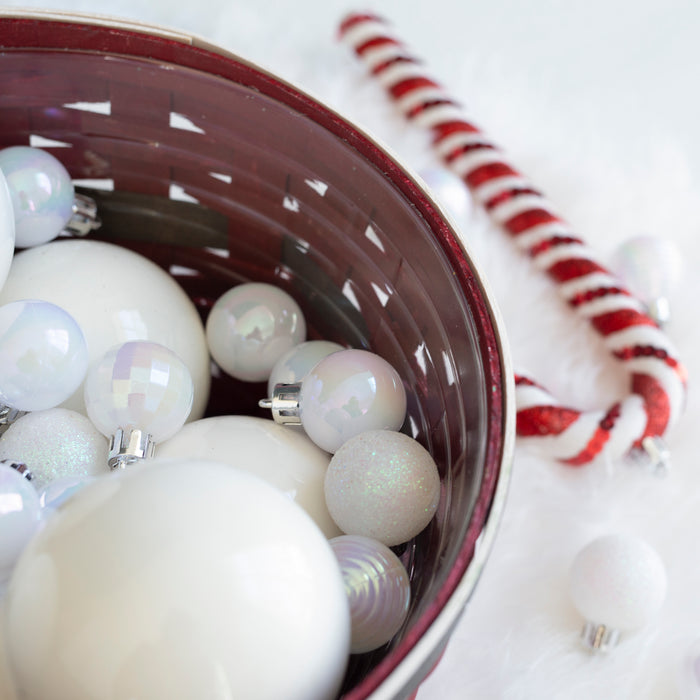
[
  {"x": 250, "y": 327},
  {"x": 178, "y": 579},
  {"x": 383, "y": 485},
  {"x": 618, "y": 581},
  {"x": 116, "y": 296},
  {"x": 55, "y": 444},
  {"x": 285, "y": 458}
]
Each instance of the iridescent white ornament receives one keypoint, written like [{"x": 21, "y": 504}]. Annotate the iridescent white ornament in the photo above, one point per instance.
[
  {"x": 618, "y": 584},
  {"x": 19, "y": 517},
  {"x": 60, "y": 491},
  {"x": 378, "y": 590},
  {"x": 7, "y": 229},
  {"x": 296, "y": 363},
  {"x": 42, "y": 193},
  {"x": 346, "y": 393},
  {"x": 250, "y": 327},
  {"x": 140, "y": 393},
  {"x": 449, "y": 191},
  {"x": 184, "y": 579},
  {"x": 384, "y": 485},
  {"x": 651, "y": 268},
  {"x": 43, "y": 355},
  {"x": 116, "y": 296},
  {"x": 284, "y": 458},
  {"x": 55, "y": 444}
]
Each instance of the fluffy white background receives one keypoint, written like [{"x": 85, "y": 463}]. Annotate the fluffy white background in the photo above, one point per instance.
[{"x": 597, "y": 102}]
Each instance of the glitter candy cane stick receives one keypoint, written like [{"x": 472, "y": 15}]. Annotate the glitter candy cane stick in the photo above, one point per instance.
[{"x": 657, "y": 379}]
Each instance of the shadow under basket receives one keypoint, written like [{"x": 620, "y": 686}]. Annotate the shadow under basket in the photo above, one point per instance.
[{"x": 222, "y": 173}]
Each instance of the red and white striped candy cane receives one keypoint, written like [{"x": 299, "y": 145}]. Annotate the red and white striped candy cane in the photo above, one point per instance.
[{"x": 657, "y": 378}]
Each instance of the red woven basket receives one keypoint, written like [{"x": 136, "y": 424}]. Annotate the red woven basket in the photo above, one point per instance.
[{"x": 223, "y": 173}]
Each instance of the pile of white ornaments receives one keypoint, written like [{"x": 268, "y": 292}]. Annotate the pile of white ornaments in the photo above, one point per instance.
[{"x": 217, "y": 567}]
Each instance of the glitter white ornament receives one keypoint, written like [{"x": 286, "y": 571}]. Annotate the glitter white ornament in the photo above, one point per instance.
[
  {"x": 116, "y": 296},
  {"x": 19, "y": 517},
  {"x": 384, "y": 485},
  {"x": 378, "y": 590},
  {"x": 180, "y": 580},
  {"x": 295, "y": 364},
  {"x": 618, "y": 584},
  {"x": 284, "y": 458},
  {"x": 250, "y": 327},
  {"x": 55, "y": 444},
  {"x": 138, "y": 387},
  {"x": 43, "y": 355},
  {"x": 42, "y": 193}
]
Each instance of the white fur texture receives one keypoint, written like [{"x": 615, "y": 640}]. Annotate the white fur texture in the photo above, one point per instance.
[{"x": 597, "y": 103}]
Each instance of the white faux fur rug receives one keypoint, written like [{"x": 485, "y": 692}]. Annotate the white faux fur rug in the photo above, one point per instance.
[{"x": 596, "y": 105}]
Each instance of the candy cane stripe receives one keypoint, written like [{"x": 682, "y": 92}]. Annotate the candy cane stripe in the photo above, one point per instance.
[{"x": 657, "y": 378}]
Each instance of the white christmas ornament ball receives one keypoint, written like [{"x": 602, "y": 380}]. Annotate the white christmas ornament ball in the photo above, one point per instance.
[
  {"x": 296, "y": 363},
  {"x": 116, "y": 296},
  {"x": 179, "y": 580},
  {"x": 383, "y": 485},
  {"x": 7, "y": 229},
  {"x": 618, "y": 581},
  {"x": 285, "y": 458},
  {"x": 19, "y": 516},
  {"x": 250, "y": 327},
  {"x": 55, "y": 444}
]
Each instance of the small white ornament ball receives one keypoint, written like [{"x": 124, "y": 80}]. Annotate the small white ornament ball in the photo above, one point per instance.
[
  {"x": 42, "y": 193},
  {"x": 250, "y": 327},
  {"x": 139, "y": 385},
  {"x": 43, "y": 355},
  {"x": 350, "y": 392},
  {"x": 383, "y": 485},
  {"x": 378, "y": 589},
  {"x": 618, "y": 581},
  {"x": 285, "y": 458},
  {"x": 295, "y": 364},
  {"x": 449, "y": 191},
  {"x": 55, "y": 444},
  {"x": 7, "y": 229},
  {"x": 116, "y": 296},
  {"x": 20, "y": 514},
  {"x": 180, "y": 579}
]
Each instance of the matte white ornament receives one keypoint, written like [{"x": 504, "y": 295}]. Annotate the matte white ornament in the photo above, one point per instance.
[
  {"x": 250, "y": 327},
  {"x": 295, "y": 364},
  {"x": 378, "y": 590},
  {"x": 55, "y": 444},
  {"x": 179, "y": 580},
  {"x": 116, "y": 296},
  {"x": 7, "y": 229},
  {"x": 618, "y": 584},
  {"x": 284, "y": 458},
  {"x": 384, "y": 485},
  {"x": 19, "y": 516},
  {"x": 346, "y": 393},
  {"x": 138, "y": 387},
  {"x": 43, "y": 355}
]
